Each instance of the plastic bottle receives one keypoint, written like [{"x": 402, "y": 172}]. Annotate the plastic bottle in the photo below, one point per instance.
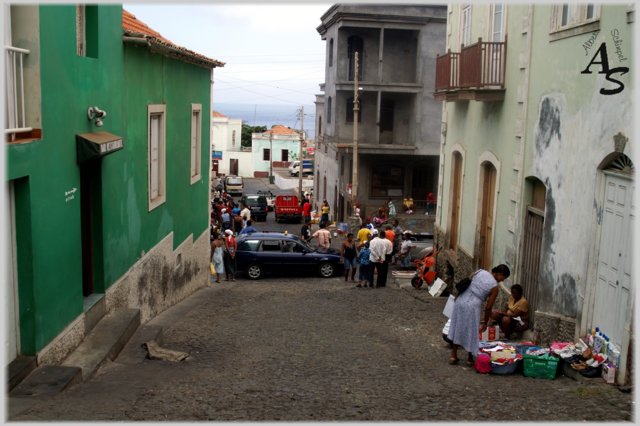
[
  {"x": 591, "y": 337},
  {"x": 597, "y": 342},
  {"x": 605, "y": 345}
]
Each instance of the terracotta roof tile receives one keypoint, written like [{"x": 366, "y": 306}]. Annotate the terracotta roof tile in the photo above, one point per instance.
[
  {"x": 133, "y": 27},
  {"x": 279, "y": 129},
  {"x": 217, "y": 114}
]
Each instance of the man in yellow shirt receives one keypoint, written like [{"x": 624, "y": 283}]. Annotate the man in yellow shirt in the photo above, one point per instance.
[
  {"x": 363, "y": 235},
  {"x": 516, "y": 318}
]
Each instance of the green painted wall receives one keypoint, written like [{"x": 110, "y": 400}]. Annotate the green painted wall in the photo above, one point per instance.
[{"x": 122, "y": 81}]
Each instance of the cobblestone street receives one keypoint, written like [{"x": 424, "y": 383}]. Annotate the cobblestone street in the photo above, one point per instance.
[{"x": 301, "y": 349}]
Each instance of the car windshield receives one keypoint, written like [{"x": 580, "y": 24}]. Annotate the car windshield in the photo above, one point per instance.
[
  {"x": 256, "y": 201},
  {"x": 234, "y": 181}
]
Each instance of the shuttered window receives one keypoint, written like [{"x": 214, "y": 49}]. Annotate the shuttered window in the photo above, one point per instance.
[
  {"x": 157, "y": 149},
  {"x": 196, "y": 142}
]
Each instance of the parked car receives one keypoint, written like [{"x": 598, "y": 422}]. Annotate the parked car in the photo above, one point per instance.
[
  {"x": 288, "y": 207},
  {"x": 260, "y": 253},
  {"x": 234, "y": 185},
  {"x": 271, "y": 199},
  {"x": 307, "y": 168},
  {"x": 258, "y": 206}
]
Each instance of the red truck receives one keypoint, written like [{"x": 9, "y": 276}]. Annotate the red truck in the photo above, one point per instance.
[{"x": 288, "y": 207}]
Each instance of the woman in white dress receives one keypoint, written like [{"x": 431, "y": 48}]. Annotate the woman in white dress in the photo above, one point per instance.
[{"x": 465, "y": 319}]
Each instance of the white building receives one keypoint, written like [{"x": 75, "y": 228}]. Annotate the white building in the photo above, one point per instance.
[{"x": 227, "y": 155}]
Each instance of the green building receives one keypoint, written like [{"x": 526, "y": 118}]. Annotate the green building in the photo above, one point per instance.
[
  {"x": 536, "y": 159},
  {"x": 107, "y": 169}
]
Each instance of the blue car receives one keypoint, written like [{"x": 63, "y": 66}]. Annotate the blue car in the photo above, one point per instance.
[{"x": 269, "y": 252}]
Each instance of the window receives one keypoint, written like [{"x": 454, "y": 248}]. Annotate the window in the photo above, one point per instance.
[
  {"x": 386, "y": 115},
  {"x": 350, "y": 112},
  {"x": 329, "y": 110},
  {"x": 285, "y": 155},
  {"x": 466, "y": 25},
  {"x": 196, "y": 142},
  {"x": 573, "y": 19},
  {"x": 248, "y": 245},
  {"x": 157, "y": 149},
  {"x": 497, "y": 22},
  {"x": 320, "y": 126},
  {"x": 270, "y": 245},
  {"x": 86, "y": 31},
  {"x": 331, "y": 52},
  {"x": 233, "y": 138},
  {"x": 266, "y": 154},
  {"x": 355, "y": 44},
  {"x": 387, "y": 181}
]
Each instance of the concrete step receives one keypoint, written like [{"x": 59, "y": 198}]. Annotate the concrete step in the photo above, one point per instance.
[
  {"x": 46, "y": 380},
  {"x": 133, "y": 352},
  {"x": 106, "y": 340},
  {"x": 19, "y": 369}
]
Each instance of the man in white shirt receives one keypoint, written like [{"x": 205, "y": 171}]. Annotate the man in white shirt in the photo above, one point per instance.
[
  {"x": 245, "y": 214},
  {"x": 380, "y": 248},
  {"x": 324, "y": 237}
]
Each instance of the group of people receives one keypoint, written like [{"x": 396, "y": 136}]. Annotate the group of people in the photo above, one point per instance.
[
  {"x": 482, "y": 289},
  {"x": 223, "y": 255}
]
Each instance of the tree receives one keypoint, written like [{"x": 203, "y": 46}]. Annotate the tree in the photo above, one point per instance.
[{"x": 245, "y": 139}]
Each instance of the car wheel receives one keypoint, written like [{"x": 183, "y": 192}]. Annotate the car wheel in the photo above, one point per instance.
[
  {"x": 254, "y": 271},
  {"x": 326, "y": 270}
]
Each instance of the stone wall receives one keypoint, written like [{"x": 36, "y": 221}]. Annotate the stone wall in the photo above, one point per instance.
[
  {"x": 550, "y": 327},
  {"x": 159, "y": 280}
]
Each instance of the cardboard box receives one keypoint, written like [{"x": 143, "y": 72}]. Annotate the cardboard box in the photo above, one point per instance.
[
  {"x": 437, "y": 287},
  {"x": 491, "y": 333},
  {"x": 609, "y": 373}
]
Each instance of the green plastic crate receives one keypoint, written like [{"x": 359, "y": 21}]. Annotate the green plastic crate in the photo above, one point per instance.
[{"x": 544, "y": 367}]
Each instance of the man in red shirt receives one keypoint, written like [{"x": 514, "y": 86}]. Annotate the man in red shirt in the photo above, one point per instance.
[{"x": 306, "y": 210}]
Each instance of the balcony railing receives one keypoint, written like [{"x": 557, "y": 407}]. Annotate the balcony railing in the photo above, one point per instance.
[
  {"x": 478, "y": 67},
  {"x": 16, "y": 118}
]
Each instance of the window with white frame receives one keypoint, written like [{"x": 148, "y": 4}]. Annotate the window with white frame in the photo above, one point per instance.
[
  {"x": 156, "y": 155},
  {"x": 466, "y": 25},
  {"x": 497, "y": 22},
  {"x": 196, "y": 142},
  {"x": 569, "y": 16}
]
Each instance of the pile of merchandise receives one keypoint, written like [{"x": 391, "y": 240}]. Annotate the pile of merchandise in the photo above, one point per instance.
[{"x": 504, "y": 357}]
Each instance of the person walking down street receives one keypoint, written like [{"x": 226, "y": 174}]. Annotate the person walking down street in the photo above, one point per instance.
[
  {"x": 431, "y": 201},
  {"x": 305, "y": 231},
  {"x": 348, "y": 254},
  {"x": 363, "y": 235},
  {"x": 405, "y": 250},
  {"x": 306, "y": 210},
  {"x": 364, "y": 271},
  {"x": 217, "y": 257},
  {"x": 324, "y": 211},
  {"x": 324, "y": 237},
  {"x": 245, "y": 213},
  {"x": 380, "y": 249},
  {"x": 392, "y": 208},
  {"x": 248, "y": 229},
  {"x": 465, "y": 319},
  {"x": 230, "y": 249},
  {"x": 226, "y": 220}
]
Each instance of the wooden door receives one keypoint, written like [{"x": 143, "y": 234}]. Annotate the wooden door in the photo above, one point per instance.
[
  {"x": 233, "y": 166},
  {"x": 456, "y": 192},
  {"x": 485, "y": 246}
]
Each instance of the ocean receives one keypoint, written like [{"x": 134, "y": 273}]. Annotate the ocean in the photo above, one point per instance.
[{"x": 270, "y": 114}]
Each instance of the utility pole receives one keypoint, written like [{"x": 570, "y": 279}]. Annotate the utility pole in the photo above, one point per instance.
[
  {"x": 356, "y": 110},
  {"x": 300, "y": 152},
  {"x": 271, "y": 179}
]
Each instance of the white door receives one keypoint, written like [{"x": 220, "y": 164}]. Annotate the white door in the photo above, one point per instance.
[
  {"x": 614, "y": 294},
  {"x": 12, "y": 342}
]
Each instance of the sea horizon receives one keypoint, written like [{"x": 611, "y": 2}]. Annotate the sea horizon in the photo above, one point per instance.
[{"x": 270, "y": 114}]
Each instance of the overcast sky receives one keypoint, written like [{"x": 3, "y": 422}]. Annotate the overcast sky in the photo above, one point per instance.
[{"x": 272, "y": 53}]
